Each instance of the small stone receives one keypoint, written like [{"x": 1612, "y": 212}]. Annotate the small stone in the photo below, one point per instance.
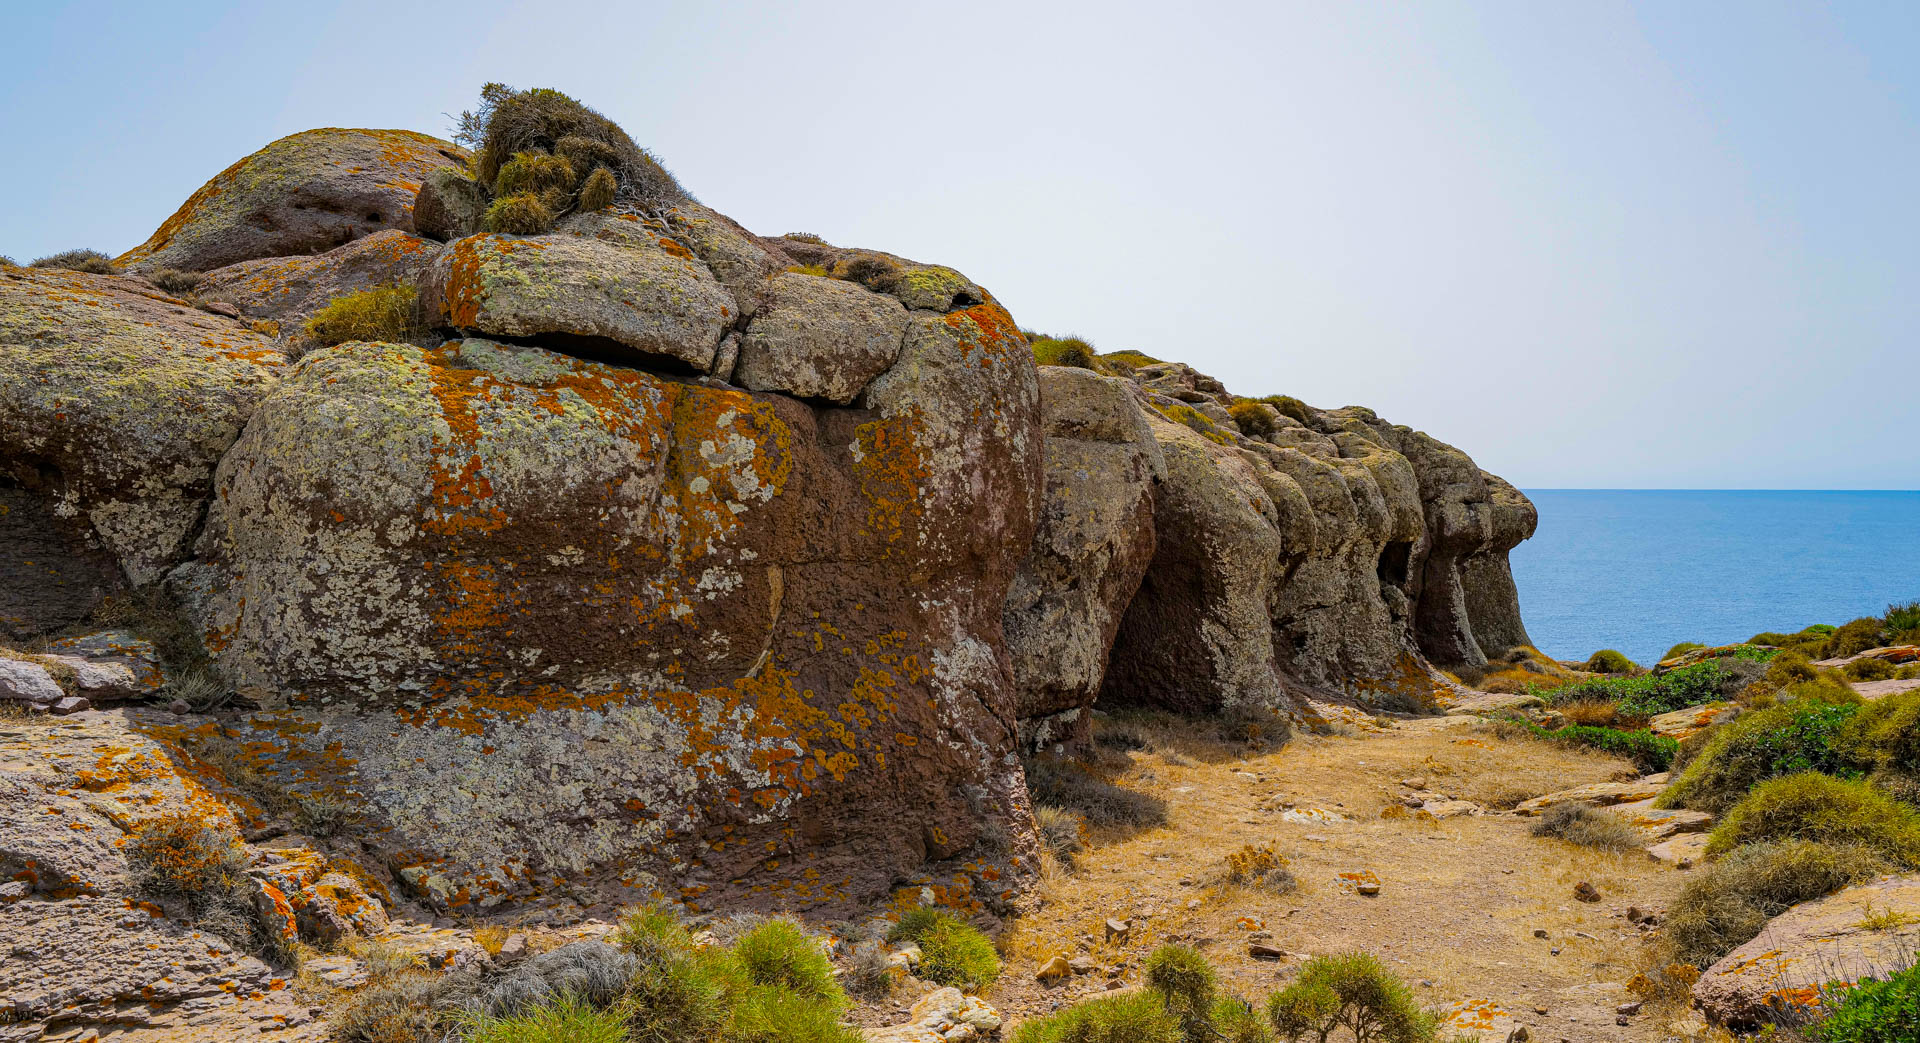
[
  {"x": 1623, "y": 1020},
  {"x": 71, "y": 704},
  {"x": 1583, "y": 934},
  {"x": 1553, "y": 952},
  {"x": 1265, "y": 952},
  {"x": 1116, "y": 984},
  {"x": 1519, "y": 1035},
  {"x": 1368, "y": 887},
  {"x": 1629, "y": 1008},
  {"x": 1633, "y": 914},
  {"x": 179, "y": 707},
  {"x": 1117, "y": 930},
  {"x": 1540, "y": 1010},
  {"x": 221, "y": 308},
  {"x": 1055, "y": 968},
  {"x": 1082, "y": 965},
  {"x": 513, "y": 949},
  {"x": 1193, "y": 903},
  {"x": 1414, "y": 782},
  {"x": 1539, "y": 932},
  {"x": 1586, "y": 892}
]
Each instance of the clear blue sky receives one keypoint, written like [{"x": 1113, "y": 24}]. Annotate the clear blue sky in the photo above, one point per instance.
[{"x": 1594, "y": 244}]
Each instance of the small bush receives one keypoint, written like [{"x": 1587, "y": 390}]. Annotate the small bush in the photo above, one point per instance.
[
  {"x": 400, "y": 1006},
  {"x": 1726, "y": 904},
  {"x": 594, "y": 972},
  {"x": 1869, "y": 670},
  {"x": 1872, "y": 1010},
  {"x": 869, "y": 970},
  {"x": 1588, "y": 827},
  {"x": 1101, "y": 803},
  {"x": 1901, "y": 618},
  {"x": 1064, "y": 351},
  {"x": 1235, "y": 1021},
  {"x": 93, "y": 262},
  {"x": 1185, "y": 982},
  {"x": 597, "y": 191},
  {"x": 1884, "y": 735},
  {"x": 1760, "y": 745},
  {"x": 523, "y": 214},
  {"x": 1193, "y": 419},
  {"x": 565, "y": 1020},
  {"x": 534, "y": 172},
  {"x": 508, "y": 122},
  {"x": 182, "y": 858},
  {"x": 1609, "y": 661},
  {"x": 1290, "y": 406},
  {"x": 1854, "y": 638},
  {"x": 1790, "y": 667},
  {"x": 1680, "y": 649},
  {"x": 773, "y": 1015},
  {"x": 951, "y": 951},
  {"x": 1811, "y": 806},
  {"x": 1252, "y": 418},
  {"x": 1128, "y": 1017},
  {"x": 1353, "y": 991},
  {"x": 1592, "y": 714},
  {"x": 877, "y": 272},
  {"x": 779, "y": 953},
  {"x": 679, "y": 992},
  {"x": 173, "y": 280},
  {"x": 1062, "y": 832},
  {"x": 383, "y": 313}
]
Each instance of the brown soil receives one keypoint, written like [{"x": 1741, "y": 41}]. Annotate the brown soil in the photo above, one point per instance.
[{"x": 1459, "y": 901}]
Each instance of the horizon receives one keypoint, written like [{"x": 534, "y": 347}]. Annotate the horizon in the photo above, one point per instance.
[{"x": 1634, "y": 247}]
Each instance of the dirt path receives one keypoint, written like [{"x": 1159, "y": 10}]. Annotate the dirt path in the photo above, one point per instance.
[{"x": 1459, "y": 900}]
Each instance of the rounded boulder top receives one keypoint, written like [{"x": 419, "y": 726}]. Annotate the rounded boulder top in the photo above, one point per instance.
[{"x": 305, "y": 193}]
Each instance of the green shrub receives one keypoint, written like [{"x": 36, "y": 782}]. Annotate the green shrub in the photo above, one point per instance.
[
  {"x": 1589, "y": 827},
  {"x": 1062, "y": 832},
  {"x": 1869, "y": 670},
  {"x": 507, "y": 122},
  {"x": 952, "y": 952},
  {"x": 1648, "y": 694},
  {"x": 1821, "y": 808},
  {"x": 1760, "y": 745},
  {"x": 1900, "y": 618},
  {"x": 587, "y": 154},
  {"x": 566, "y": 1020},
  {"x": 774, "y": 1015},
  {"x": 779, "y": 953},
  {"x": 1185, "y": 982},
  {"x": 597, "y": 191},
  {"x": 524, "y": 214},
  {"x": 1681, "y": 649},
  {"x": 1790, "y": 667},
  {"x": 173, "y": 280},
  {"x": 1885, "y": 734},
  {"x": 93, "y": 262},
  {"x": 1872, "y": 1010},
  {"x": 534, "y": 172},
  {"x": 1252, "y": 418},
  {"x": 383, "y": 313},
  {"x": 1235, "y": 1021},
  {"x": 1609, "y": 661},
  {"x": 1353, "y": 991},
  {"x": 1290, "y": 406},
  {"x": 1128, "y": 1017},
  {"x": 1724, "y": 905},
  {"x": 1649, "y": 752},
  {"x": 1854, "y": 638},
  {"x": 1064, "y": 351}
]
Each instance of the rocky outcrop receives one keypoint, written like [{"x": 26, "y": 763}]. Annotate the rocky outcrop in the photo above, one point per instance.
[
  {"x": 289, "y": 290},
  {"x": 303, "y": 194},
  {"x": 116, "y": 402},
  {"x": 1779, "y": 974},
  {"x": 1095, "y": 538}
]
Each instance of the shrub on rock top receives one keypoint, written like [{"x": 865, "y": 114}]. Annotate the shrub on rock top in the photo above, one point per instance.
[
  {"x": 93, "y": 262},
  {"x": 384, "y": 313},
  {"x": 1609, "y": 661}
]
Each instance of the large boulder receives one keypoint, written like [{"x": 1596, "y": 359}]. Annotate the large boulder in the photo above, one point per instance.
[
  {"x": 303, "y": 194},
  {"x": 288, "y": 290},
  {"x": 819, "y": 338},
  {"x": 764, "y": 634},
  {"x": 1779, "y": 974},
  {"x": 1095, "y": 539},
  {"x": 116, "y": 402}
]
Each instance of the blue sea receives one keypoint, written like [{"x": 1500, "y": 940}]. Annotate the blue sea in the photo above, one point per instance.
[{"x": 1640, "y": 570}]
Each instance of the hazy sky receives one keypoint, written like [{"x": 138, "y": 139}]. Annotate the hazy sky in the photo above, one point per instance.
[{"x": 1671, "y": 244}]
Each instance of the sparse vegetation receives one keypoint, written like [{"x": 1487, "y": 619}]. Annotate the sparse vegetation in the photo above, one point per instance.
[
  {"x": 1062, "y": 832},
  {"x": 1351, "y": 991},
  {"x": 1252, "y": 417},
  {"x": 564, "y": 1020},
  {"x": 1726, "y": 904},
  {"x": 1811, "y": 806},
  {"x": 1854, "y": 638},
  {"x": 383, "y": 313},
  {"x": 1290, "y": 406},
  {"x": 174, "y": 280},
  {"x": 1884, "y": 736},
  {"x": 1128, "y": 1017},
  {"x": 952, "y": 952},
  {"x": 1063, "y": 351},
  {"x": 93, "y": 262},
  {"x": 1648, "y": 751},
  {"x": 1589, "y": 827},
  {"x": 1101, "y": 803},
  {"x": 1262, "y": 867},
  {"x": 1680, "y": 649},
  {"x": 1647, "y": 694},
  {"x": 185, "y": 859}
]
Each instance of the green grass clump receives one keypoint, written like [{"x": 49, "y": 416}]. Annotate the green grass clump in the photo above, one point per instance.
[
  {"x": 597, "y": 191},
  {"x": 952, "y": 952},
  {"x": 1648, "y": 694},
  {"x": 778, "y": 953},
  {"x": 1609, "y": 661},
  {"x": 1181, "y": 413},
  {"x": 1872, "y": 1010},
  {"x": 1589, "y": 827},
  {"x": 1821, "y": 808},
  {"x": 1854, "y": 638},
  {"x": 174, "y": 280},
  {"x": 1727, "y": 903},
  {"x": 1351, "y": 991},
  {"x": 565, "y": 1020},
  {"x": 1252, "y": 418},
  {"x": 535, "y": 172},
  {"x": 1869, "y": 670},
  {"x": 1131, "y": 360},
  {"x": 1290, "y": 406},
  {"x": 1649, "y": 752},
  {"x": 1064, "y": 351},
  {"x": 774, "y": 1015},
  {"x": 1186, "y": 983},
  {"x": 1129, "y": 1017},
  {"x": 383, "y": 313},
  {"x": 1885, "y": 735},
  {"x": 523, "y": 214},
  {"x": 1757, "y": 746},
  {"x": 1681, "y": 649},
  {"x": 1790, "y": 667},
  {"x": 93, "y": 262}
]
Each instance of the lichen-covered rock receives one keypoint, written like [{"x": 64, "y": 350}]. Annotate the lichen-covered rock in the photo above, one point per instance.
[
  {"x": 765, "y": 635},
  {"x": 1779, "y": 974},
  {"x": 288, "y": 290},
  {"x": 28, "y": 681},
  {"x": 303, "y": 194},
  {"x": 819, "y": 338},
  {"x": 645, "y": 299},
  {"x": 1095, "y": 539},
  {"x": 116, "y": 401},
  {"x": 53, "y": 570},
  {"x": 450, "y": 205}
]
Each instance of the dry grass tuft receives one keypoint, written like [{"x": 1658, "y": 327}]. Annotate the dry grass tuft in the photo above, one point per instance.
[{"x": 1588, "y": 827}]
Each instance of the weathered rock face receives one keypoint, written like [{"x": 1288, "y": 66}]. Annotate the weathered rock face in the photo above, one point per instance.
[
  {"x": 116, "y": 402},
  {"x": 1780, "y": 973},
  {"x": 1095, "y": 538},
  {"x": 303, "y": 194},
  {"x": 288, "y": 290}
]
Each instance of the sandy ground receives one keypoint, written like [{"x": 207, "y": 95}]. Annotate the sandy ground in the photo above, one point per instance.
[{"x": 1459, "y": 902}]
